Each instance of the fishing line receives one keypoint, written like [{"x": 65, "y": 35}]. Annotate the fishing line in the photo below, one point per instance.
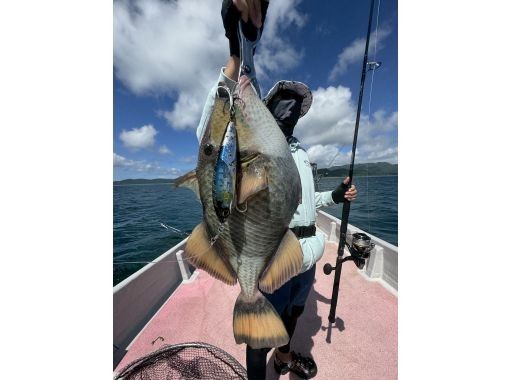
[
  {"x": 370, "y": 105},
  {"x": 319, "y": 176},
  {"x": 213, "y": 240},
  {"x": 188, "y": 258},
  {"x": 375, "y": 60},
  {"x": 176, "y": 230}
]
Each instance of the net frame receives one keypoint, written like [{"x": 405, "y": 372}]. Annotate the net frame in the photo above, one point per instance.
[{"x": 141, "y": 367}]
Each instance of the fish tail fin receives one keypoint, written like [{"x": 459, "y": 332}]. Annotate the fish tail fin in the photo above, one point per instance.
[{"x": 257, "y": 323}]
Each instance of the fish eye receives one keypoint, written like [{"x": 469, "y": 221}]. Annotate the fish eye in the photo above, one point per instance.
[{"x": 208, "y": 149}]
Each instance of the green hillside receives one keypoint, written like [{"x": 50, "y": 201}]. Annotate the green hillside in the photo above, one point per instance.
[
  {"x": 361, "y": 170},
  {"x": 143, "y": 181}
]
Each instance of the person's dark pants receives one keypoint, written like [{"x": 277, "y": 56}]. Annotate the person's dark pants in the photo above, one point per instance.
[{"x": 289, "y": 301}]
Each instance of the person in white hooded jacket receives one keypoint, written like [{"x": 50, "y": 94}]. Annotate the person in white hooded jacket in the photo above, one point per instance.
[{"x": 287, "y": 101}]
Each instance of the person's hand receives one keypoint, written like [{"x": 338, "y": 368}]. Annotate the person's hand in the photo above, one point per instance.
[
  {"x": 341, "y": 193},
  {"x": 253, "y": 14},
  {"x": 350, "y": 194},
  {"x": 250, "y": 9}
]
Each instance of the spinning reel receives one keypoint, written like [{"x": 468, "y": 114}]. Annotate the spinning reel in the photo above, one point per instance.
[{"x": 360, "y": 251}]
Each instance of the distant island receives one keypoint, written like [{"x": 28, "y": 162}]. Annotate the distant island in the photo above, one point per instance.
[
  {"x": 360, "y": 170},
  {"x": 143, "y": 181}
]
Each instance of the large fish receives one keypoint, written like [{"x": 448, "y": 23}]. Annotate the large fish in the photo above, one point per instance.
[{"x": 253, "y": 245}]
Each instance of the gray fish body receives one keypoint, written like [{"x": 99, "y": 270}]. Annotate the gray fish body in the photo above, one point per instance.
[
  {"x": 253, "y": 245},
  {"x": 250, "y": 238}
]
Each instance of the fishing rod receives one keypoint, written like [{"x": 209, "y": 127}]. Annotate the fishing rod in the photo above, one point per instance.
[{"x": 361, "y": 245}]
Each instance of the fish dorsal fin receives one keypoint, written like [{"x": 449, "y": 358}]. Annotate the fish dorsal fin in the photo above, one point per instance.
[
  {"x": 253, "y": 179},
  {"x": 203, "y": 255},
  {"x": 285, "y": 264},
  {"x": 190, "y": 181}
]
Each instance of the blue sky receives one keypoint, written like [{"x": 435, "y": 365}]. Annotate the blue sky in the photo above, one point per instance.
[{"x": 167, "y": 55}]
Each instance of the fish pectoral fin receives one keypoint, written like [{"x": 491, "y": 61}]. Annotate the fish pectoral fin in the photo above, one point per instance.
[
  {"x": 285, "y": 264},
  {"x": 201, "y": 254},
  {"x": 253, "y": 179},
  {"x": 190, "y": 181}
]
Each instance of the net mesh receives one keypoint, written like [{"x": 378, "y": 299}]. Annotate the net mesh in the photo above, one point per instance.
[{"x": 184, "y": 361}]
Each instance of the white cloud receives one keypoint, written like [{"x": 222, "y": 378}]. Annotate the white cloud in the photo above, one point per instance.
[
  {"x": 186, "y": 111},
  {"x": 170, "y": 47},
  {"x": 164, "y": 46},
  {"x": 327, "y": 155},
  {"x": 139, "y": 138},
  {"x": 355, "y": 51},
  {"x": 120, "y": 161},
  {"x": 188, "y": 159},
  {"x": 330, "y": 119},
  {"x": 164, "y": 150},
  {"x": 389, "y": 154},
  {"x": 178, "y": 47},
  {"x": 134, "y": 167},
  {"x": 384, "y": 123},
  {"x": 275, "y": 54},
  {"x": 329, "y": 126}
]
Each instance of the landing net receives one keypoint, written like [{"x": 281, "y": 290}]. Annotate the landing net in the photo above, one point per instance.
[{"x": 185, "y": 361}]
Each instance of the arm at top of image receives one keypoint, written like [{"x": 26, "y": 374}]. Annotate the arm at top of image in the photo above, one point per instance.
[{"x": 231, "y": 12}]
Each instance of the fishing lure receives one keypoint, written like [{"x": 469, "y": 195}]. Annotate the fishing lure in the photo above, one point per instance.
[{"x": 224, "y": 181}]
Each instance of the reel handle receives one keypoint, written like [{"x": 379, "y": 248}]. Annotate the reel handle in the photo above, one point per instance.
[{"x": 328, "y": 268}]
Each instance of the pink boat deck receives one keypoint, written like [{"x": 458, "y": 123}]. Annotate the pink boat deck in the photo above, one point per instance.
[{"x": 362, "y": 344}]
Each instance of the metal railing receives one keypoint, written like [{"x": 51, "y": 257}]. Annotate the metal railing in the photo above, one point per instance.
[
  {"x": 381, "y": 266},
  {"x": 138, "y": 298}
]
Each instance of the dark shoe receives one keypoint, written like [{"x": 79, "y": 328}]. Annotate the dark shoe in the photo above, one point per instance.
[{"x": 302, "y": 366}]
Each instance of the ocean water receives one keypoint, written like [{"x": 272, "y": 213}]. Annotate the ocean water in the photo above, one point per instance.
[
  {"x": 375, "y": 209},
  {"x": 139, "y": 210}
]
